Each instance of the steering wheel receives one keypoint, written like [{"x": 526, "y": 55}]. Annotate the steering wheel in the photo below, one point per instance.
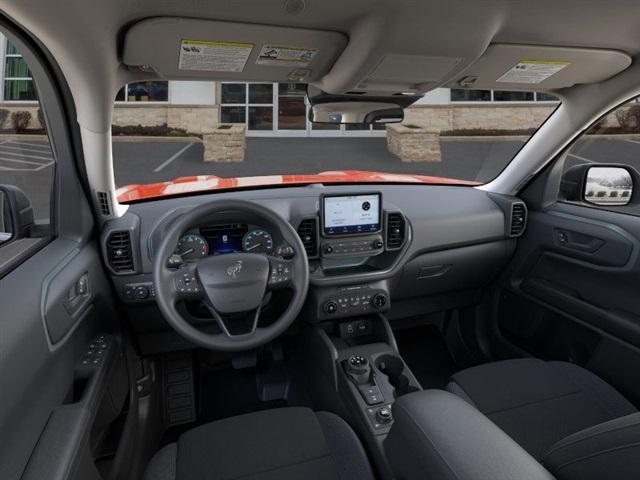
[{"x": 231, "y": 283}]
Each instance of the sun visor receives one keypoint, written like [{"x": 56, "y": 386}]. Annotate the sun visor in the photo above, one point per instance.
[
  {"x": 526, "y": 67},
  {"x": 180, "y": 48}
]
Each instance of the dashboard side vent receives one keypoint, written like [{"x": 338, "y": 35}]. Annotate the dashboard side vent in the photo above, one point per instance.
[
  {"x": 308, "y": 233},
  {"x": 518, "y": 219},
  {"x": 395, "y": 230},
  {"x": 104, "y": 204},
  {"x": 119, "y": 253}
]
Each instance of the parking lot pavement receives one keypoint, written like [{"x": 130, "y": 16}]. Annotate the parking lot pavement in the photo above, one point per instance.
[
  {"x": 142, "y": 162},
  {"x": 28, "y": 164}
]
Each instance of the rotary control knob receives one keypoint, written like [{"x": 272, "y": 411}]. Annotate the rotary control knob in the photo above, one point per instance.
[
  {"x": 377, "y": 244},
  {"x": 379, "y": 301},
  {"x": 328, "y": 249},
  {"x": 330, "y": 307},
  {"x": 384, "y": 415}
]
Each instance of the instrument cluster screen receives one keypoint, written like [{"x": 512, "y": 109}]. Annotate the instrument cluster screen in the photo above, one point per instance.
[{"x": 351, "y": 214}]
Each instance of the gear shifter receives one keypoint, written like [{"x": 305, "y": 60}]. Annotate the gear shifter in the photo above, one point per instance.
[{"x": 359, "y": 369}]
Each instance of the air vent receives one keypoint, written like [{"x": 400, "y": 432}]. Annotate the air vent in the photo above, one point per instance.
[
  {"x": 308, "y": 233},
  {"x": 104, "y": 204},
  {"x": 119, "y": 251},
  {"x": 518, "y": 219},
  {"x": 395, "y": 230}
]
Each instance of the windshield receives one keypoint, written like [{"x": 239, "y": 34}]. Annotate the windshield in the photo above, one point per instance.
[{"x": 173, "y": 137}]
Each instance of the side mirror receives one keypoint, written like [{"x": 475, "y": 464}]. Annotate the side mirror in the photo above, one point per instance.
[
  {"x": 612, "y": 186},
  {"x": 16, "y": 214},
  {"x": 605, "y": 185}
]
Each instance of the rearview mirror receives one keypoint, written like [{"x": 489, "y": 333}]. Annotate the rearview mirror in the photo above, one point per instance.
[
  {"x": 610, "y": 186},
  {"x": 356, "y": 112},
  {"x": 356, "y": 109}
]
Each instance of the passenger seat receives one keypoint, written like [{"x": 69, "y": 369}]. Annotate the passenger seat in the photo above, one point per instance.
[{"x": 539, "y": 404}]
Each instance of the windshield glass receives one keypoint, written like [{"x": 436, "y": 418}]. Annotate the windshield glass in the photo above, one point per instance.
[{"x": 176, "y": 137}]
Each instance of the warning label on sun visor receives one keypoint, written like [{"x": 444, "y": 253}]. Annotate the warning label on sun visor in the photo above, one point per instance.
[
  {"x": 532, "y": 71},
  {"x": 214, "y": 56},
  {"x": 285, "y": 56}
]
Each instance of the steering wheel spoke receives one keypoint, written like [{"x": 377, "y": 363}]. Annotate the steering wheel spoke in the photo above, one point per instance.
[{"x": 223, "y": 323}]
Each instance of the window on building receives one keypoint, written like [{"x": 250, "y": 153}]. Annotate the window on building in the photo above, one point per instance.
[
  {"x": 250, "y": 103},
  {"x": 18, "y": 84},
  {"x": 464, "y": 95},
  {"x": 148, "y": 91},
  {"x": 508, "y": 96}
]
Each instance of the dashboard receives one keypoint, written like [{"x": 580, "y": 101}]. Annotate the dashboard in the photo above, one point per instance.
[{"x": 392, "y": 249}]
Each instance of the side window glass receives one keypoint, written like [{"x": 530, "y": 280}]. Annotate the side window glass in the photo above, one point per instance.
[
  {"x": 27, "y": 166},
  {"x": 602, "y": 168}
]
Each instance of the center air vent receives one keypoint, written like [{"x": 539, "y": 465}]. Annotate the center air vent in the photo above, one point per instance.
[
  {"x": 308, "y": 233},
  {"x": 395, "y": 230},
  {"x": 518, "y": 219},
  {"x": 119, "y": 252}
]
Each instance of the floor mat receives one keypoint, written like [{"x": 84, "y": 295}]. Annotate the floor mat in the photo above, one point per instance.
[
  {"x": 425, "y": 351},
  {"x": 228, "y": 392}
]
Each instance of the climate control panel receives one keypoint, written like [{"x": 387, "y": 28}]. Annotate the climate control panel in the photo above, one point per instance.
[
  {"x": 354, "y": 300},
  {"x": 360, "y": 246}
]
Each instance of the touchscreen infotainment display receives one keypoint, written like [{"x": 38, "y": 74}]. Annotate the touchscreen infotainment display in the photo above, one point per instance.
[{"x": 349, "y": 214}]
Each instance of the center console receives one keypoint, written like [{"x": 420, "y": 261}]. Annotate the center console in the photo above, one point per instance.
[{"x": 367, "y": 375}]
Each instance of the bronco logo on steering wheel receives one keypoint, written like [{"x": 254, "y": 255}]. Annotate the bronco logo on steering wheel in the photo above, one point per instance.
[{"x": 234, "y": 269}]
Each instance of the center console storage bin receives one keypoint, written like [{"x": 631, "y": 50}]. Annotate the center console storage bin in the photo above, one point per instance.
[{"x": 438, "y": 435}]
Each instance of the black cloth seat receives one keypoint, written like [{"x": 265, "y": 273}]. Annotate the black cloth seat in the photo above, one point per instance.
[
  {"x": 538, "y": 403},
  {"x": 285, "y": 443}
]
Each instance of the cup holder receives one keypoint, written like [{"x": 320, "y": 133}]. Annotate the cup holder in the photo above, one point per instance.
[{"x": 393, "y": 368}]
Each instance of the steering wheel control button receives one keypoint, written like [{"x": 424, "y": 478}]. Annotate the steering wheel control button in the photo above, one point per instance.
[
  {"x": 361, "y": 246},
  {"x": 187, "y": 284},
  {"x": 280, "y": 273}
]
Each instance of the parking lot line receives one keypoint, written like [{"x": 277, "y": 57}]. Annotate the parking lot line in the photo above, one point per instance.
[
  {"x": 23, "y": 149},
  {"x": 584, "y": 159},
  {"x": 631, "y": 141},
  {"x": 26, "y": 155},
  {"x": 28, "y": 162},
  {"x": 28, "y": 144},
  {"x": 173, "y": 157}
]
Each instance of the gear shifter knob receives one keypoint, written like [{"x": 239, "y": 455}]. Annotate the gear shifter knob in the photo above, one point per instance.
[{"x": 358, "y": 368}]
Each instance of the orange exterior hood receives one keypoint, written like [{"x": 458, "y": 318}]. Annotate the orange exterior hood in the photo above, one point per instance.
[{"x": 203, "y": 183}]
